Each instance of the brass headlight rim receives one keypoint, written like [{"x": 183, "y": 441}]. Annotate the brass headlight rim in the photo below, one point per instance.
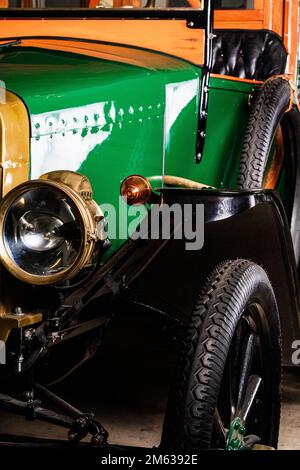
[{"x": 87, "y": 243}]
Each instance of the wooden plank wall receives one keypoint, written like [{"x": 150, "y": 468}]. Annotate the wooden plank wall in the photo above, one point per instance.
[{"x": 170, "y": 36}]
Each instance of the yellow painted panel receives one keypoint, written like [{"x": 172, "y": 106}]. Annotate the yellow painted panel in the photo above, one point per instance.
[{"x": 14, "y": 141}]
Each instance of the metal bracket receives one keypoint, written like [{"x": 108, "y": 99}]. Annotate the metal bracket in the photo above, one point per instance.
[
  {"x": 195, "y": 23},
  {"x": 204, "y": 84}
]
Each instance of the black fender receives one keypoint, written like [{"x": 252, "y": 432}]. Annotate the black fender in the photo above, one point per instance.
[
  {"x": 164, "y": 276},
  {"x": 161, "y": 275}
]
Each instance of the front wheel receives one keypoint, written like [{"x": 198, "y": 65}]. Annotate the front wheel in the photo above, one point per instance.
[{"x": 229, "y": 370}]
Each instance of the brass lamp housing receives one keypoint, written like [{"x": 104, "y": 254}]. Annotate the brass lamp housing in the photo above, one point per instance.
[{"x": 79, "y": 190}]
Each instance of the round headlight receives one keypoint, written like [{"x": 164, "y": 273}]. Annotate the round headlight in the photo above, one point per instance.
[
  {"x": 40, "y": 232},
  {"x": 48, "y": 231}
]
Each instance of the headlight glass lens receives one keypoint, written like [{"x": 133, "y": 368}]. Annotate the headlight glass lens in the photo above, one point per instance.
[{"x": 42, "y": 231}]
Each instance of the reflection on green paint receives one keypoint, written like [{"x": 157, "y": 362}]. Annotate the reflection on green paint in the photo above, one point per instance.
[{"x": 105, "y": 118}]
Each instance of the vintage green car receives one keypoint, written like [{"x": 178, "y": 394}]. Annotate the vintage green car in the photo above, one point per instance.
[{"x": 149, "y": 160}]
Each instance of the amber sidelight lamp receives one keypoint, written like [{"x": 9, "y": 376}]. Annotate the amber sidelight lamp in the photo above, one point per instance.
[{"x": 136, "y": 190}]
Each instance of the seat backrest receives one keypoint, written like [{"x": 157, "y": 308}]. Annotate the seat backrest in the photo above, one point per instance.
[{"x": 251, "y": 54}]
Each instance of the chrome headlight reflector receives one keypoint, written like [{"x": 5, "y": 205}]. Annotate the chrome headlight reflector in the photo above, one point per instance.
[{"x": 49, "y": 228}]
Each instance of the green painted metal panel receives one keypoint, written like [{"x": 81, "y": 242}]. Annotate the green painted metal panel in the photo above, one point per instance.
[
  {"x": 228, "y": 114},
  {"x": 104, "y": 117}
]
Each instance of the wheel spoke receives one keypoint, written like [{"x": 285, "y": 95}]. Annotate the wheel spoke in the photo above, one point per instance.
[
  {"x": 251, "y": 392},
  {"x": 231, "y": 391},
  {"x": 234, "y": 363},
  {"x": 219, "y": 427},
  {"x": 249, "y": 343}
]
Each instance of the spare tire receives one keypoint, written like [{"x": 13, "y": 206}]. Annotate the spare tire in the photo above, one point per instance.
[{"x": 271, "y": 104}]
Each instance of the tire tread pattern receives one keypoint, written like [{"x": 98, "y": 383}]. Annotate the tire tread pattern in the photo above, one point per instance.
[
  {"x": 204, "y": 352},
  {"x": 272, "y": 102}
]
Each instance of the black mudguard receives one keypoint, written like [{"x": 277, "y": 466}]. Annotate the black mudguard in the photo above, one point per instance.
[{"x": 164, "y": 276}]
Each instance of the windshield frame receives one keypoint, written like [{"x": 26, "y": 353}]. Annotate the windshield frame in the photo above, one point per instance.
[{"x": 199, "y": 14}]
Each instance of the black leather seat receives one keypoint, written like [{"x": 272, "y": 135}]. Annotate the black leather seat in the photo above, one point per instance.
[{"x": 252, "y": 54}]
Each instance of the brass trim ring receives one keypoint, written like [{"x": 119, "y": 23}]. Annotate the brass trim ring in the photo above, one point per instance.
[{"x": 87, "y": 243}]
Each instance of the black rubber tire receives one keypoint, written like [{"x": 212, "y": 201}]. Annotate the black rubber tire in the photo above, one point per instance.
[
  {"x": 188, "y": 424},
  {"x": 272, "y": 102}
]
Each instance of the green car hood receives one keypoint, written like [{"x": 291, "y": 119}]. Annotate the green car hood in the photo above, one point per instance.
[{"x": 102, "y": 113}]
